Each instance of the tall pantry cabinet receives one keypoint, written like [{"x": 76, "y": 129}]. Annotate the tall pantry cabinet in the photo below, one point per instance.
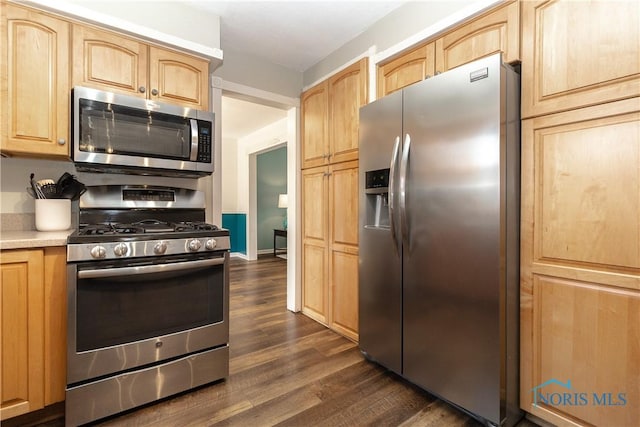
[
  {"x": 580, "y": 215},
  {"x": 329, "y": 132}
]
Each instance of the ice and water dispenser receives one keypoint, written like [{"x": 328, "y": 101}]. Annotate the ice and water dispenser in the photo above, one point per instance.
[{"x": 377, "y": 195}]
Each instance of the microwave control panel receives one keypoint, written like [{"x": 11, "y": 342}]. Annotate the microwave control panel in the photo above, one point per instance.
[{"x": 204, "y": 141}]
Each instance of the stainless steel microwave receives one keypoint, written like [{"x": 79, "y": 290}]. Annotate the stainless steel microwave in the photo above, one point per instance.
[{"x": 125, "y": 134}]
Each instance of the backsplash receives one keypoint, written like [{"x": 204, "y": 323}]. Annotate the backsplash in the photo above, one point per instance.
[{"x": 17, "y": 221}]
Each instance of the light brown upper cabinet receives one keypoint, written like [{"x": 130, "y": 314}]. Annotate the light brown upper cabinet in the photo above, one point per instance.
[
  {"x": 315, "y": 126},
  {"x": 407, "y": 69},
  {"x": 116, "y": 63},
  {"x": 347, "y": 93},
  {"x": 496, "y": 31},
  {"x": 576, "y": 54},
  {"x": 330, "y": 116},
  {"x": 178, "y": 78},
  {"x": 34, "y": 83}
]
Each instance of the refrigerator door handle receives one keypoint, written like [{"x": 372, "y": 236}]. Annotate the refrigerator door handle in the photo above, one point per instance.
[
  {"x": 392, "y": 193},
  {"x": 404, "y": 164}
]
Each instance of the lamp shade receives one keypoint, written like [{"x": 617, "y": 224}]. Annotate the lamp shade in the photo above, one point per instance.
[{"x": 282, "y": 201}]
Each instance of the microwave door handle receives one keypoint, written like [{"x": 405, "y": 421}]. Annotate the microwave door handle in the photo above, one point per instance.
[{"x": 194, "y": 140}]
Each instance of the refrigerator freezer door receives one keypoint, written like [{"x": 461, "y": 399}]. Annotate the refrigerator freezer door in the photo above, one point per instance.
[
  {"x": 452, "y": 257},
  {"x": 380, "y": 267}
]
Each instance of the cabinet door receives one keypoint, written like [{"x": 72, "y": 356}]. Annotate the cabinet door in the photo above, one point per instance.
[
  {"x": 315, "y": 126},
  {"x": 343, "y": 248},
  {"x": 34, "y": 83},
  {"x": 577, "y": 54},
  {"x": 107, "y": 61},
  {"x": 497, "y": 31},
  {"x": 347, "y": 93},
  {"x": 407, "y": 69},
  {"x": 315, "y": 266},
  {"x": 580, "y": 264},
  {"x": 587, "y": 335},
  {"x": 21, "y": 324},
  {"x": 178, "y": 78}
]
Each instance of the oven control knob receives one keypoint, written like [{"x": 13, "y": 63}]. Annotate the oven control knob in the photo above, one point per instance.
[
  {"x": 98, "y": 252},
  {"x": 195, "y": 245},
  {"x": 211, "y": 244},
  {"x": 120, "y": 249},
  {"x": 160, "y": 248}
]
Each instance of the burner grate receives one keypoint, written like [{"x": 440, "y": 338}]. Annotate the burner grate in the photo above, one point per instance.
[{"x": 145, "y": 226}]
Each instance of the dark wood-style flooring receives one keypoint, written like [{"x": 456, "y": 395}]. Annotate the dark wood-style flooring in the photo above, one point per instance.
[{"x": 288, "y": 370}]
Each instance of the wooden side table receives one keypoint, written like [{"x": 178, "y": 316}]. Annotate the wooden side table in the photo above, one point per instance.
[{"x": 278, "y": 233}]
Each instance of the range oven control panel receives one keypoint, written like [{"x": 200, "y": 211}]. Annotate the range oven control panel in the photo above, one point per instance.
[{"x": 145, "y": 248}]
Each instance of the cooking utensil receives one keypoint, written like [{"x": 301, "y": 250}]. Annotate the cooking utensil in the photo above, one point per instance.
[
  {"x": 36, "y": 189},
  {"x": 49, "y": 188},
  {"x": 69, "y": 187}
]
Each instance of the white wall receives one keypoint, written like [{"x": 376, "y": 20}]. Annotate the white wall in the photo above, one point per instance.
[
  {"x": 406, "y": 26},
  {"x": 262, "y": 140},
  {"x": 259, "y": 74},
  {"x": 170, "y": 17},
  {"x": 229, "y": 170}
]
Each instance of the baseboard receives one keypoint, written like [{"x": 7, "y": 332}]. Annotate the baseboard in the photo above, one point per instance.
[{"x": 239, "y": 255}]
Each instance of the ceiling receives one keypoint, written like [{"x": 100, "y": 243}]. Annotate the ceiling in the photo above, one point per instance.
[{"x": 293, "y": 34}]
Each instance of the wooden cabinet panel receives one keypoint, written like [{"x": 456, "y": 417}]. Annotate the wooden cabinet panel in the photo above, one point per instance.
[
  {"x": 314, "y": 279},
  {"x": 580, "y": 268},
  {"x": 588, "y": 335},
  {"x": 405, "y": 70},
  {"x": 343, "y": 207},
  {"x": 582, "y": 171},
  {"x": 21, "y": 324},
  {"x": 347, "y": 93},
  {"x": 343, "y": 248},
  {"x": 314, "y": 126},
  {"x": 315, "y": 204},
  {"x": 577, "y": 54},
  {"x": 34, "y": 83},
  {"x": 315, "y": 184},
  {"x": 108, "y": 61},
  {"x": 344, "y": 292},
  {"x": 55, "y": 328},
  {"x": 497, "y": 31},
  {"x": 178, "y": 78}
]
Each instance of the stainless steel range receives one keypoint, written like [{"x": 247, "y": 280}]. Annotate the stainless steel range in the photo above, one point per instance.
[{"x": 148, "y": 292}]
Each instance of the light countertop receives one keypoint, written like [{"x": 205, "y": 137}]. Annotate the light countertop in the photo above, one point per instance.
[{"x": 33, "y": 239}]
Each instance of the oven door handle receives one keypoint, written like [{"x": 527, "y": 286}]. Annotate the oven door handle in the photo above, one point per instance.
[{"x": 148, "y": 269}]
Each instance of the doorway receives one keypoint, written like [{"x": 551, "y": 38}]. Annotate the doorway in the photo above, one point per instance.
[{"x": 239, "y": 154}]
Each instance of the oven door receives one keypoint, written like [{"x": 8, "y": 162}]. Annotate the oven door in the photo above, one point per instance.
[{"x": 129, "y": 314}]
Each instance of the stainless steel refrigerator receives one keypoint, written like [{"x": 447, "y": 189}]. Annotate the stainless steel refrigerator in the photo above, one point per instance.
[{"x": 439, "y": 236}]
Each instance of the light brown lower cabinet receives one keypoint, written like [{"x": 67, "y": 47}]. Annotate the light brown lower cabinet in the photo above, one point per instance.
[
  {"x": 33, "y": 326},
  {"x": 330, "y": 246},
  {"x": 580, "y": 266}
]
